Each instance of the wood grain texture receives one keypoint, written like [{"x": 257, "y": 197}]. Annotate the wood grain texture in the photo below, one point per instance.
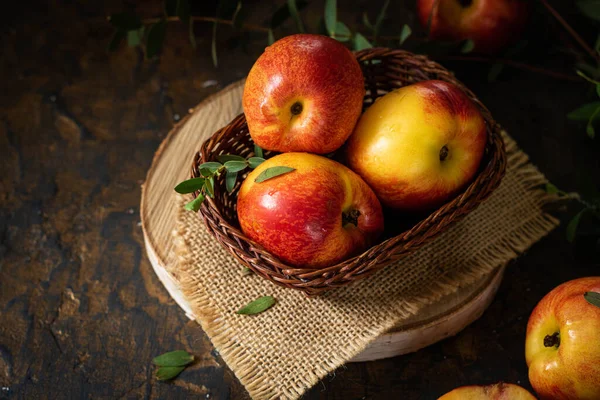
[
  {"x": 171, "y": 164},
  {"x": 81, "y": 311}
]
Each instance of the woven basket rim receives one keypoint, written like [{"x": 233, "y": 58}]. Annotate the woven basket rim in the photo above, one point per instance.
[{"x": 317, "y": 280}]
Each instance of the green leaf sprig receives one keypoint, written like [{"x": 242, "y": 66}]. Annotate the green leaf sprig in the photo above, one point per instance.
[
  {"x": 588, "y": 112},
  {"x": 229, "y": 164},
  {"x": 592, "y": 298},
  {"x": 171, "y": 364},
  {"x": 257, "y": 306},
  {"x": 590, "y": 208}
]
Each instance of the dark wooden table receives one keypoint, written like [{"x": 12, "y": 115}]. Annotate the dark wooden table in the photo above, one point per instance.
[{"x": 81, "y": 311}]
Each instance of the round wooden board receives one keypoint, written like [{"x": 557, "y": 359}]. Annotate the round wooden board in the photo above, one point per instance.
[{"x": 170, "y": 165}]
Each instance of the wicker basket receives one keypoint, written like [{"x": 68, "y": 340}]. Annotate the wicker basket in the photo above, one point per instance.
[{"x": 391, "y": 69}]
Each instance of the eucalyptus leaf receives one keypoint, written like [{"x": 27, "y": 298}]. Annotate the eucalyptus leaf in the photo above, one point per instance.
[
  {"x": 366, "y": 22},
  {"x": 592, "y": 298},
  {"x": 223, "y": 158},
  {"x": 467, "y": 46},
  {"x": 257, "y": 306},
  {"x": 235, "y": 166},
  {"x": 134, "y": 38},
  {"x": 283, "y": 13},
  {"x": 177, "y": 358},
  {"x": 495, "y": 71},
  {"x": 189, "y": 186},
  {"x": 168, "y": 373},
  {"x": 272, "y": 172},
  {"x": 156, "y": 37},
  {"x": 116, "y": 40},
  {"x": 195, "y": 204},
  {"x": 255, "y": 161},
  {"x": 191, "y": 33},
  {"x": 239, "y": 14},
  {"x": 270, "y": 37},
  {"x": 590, "y": 8},
  {"x": 405, "y": 34},
  {"x": 342, "y": 32},
  {"x": 360, "y": 42},
  {"x": 573, "y": 224},
  {"x": 212, "y": 166},
  {"x": 258, "y": 151},
  {"x": 230, "y": 179},
  {"x": 126, "y": 21},
  {"x": 209, "y": 185},
  {"x": 183, "y": 11},
  {"x": 293, "y": 7},
  {"x": 584, "y": 112},
  {"x": 330, "y": 16}
]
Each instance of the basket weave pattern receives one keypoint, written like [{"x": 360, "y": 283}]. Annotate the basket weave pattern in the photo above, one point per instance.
[{"x": 384, "y": 70}]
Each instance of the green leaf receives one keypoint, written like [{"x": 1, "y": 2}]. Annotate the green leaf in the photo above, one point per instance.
[
  {"x": 168, "y": 373},
  {"x": 283, "y": 13},
  {"x": 183, "y": 10},
  {"x": 584, "y": 112},
  {"x": 189, "y": 186},
  {"x": 134, "y": 38},
  {"x": 293, "y": 7},
  {"x": 551, "y": 189},
  {"x": 209, "y": 185},
  {"x": 205, "y": 172},
  {"x": 270, "y": 37},
  {"x": 467, "y": 47},
  {"x": 406, "y": 32},
  {"x": 589, "y": 129},
  {"x": 366, "y": 22},
  {"x": 212, "y": 166},
  {"x": 177, "y": 358},
  {"x": 342, "y": 32},
  {"x": 126, "y": 21},
  {"x": 235, "y": 166},
  {"x": 257, "y": 306},
  {"x": 573, "y": 224},
  {"x": 381, "y": 17},
  {"x": 258, "y": 152},
  {"x": 239, "y": 14},
  {"x": 587, "y": 78},
  {"x": 116, "y": 40},
  {"x": 213, "y": 48},
  {"x": 246, "y": 271},
  {"x": 598, "y": 90},
  {"x": 590, "y": 8},
  {"x": 230, "y": 179},
  {"x": 592, "y": 298},
  {"x": 156, "y": 37},
  {"x": 191, "y": 34},
  {"x": 255, "y": 161},
  {"x": 195, "y": 204},
  {"x": 223, "y": 158},
  {"x": 360, "y": 42},
  {"x": 495, "y": 71},
  {"x": 272, "y": 173},
  {"x": 331, "y": 16}
]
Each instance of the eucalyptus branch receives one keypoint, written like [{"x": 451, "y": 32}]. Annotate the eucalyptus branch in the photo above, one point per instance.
[
  {"x": 594, "y": 54},
  {"x": 515, "y": 64}
]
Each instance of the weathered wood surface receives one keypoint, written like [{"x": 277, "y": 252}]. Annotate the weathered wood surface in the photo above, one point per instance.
[{"x": 81, "y": 311}]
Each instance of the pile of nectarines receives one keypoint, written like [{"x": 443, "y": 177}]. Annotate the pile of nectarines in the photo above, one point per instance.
[{"x": 412, "y": 150}]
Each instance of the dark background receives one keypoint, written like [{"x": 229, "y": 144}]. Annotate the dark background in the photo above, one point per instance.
[{"x": 81, "y": 311}]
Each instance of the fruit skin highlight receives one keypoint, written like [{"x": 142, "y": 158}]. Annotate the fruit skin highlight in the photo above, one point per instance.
[
  {"x": 418, "y": 146},
  {"x": 303, "y": 94},
  {"x": 316, "y": 216}
]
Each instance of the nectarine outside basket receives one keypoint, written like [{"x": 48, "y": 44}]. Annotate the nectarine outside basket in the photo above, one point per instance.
[{"x": 384, "y": 70}]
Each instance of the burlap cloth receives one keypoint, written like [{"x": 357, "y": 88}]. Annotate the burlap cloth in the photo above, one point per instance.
[{"x": 287, "y": 349}]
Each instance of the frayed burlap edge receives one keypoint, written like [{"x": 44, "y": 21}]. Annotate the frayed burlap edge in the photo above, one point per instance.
[{"x": 490, "y": 258}]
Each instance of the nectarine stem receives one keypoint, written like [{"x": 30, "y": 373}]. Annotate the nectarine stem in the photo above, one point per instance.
[
  {"x": 552, "y": 340},
  {"x": 350, "y": 217}
]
